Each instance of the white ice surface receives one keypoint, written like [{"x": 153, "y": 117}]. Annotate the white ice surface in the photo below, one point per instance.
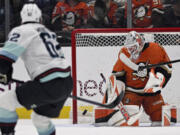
[{"x": 24, "y": 127}]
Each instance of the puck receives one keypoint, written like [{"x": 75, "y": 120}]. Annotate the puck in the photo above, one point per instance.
[{"x": 84, "y": 112}]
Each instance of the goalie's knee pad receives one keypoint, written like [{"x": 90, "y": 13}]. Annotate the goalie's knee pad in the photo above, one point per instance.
[
  {"x": 43, "y": 124},
  {"x": 113, "y": 117}
]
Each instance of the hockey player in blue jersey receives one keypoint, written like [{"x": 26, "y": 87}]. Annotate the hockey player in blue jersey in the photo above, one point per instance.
[{"x": 51, "y": 81}]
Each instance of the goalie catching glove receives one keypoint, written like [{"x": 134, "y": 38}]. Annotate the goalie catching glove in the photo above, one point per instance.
[{"x": 155, "y": 82}]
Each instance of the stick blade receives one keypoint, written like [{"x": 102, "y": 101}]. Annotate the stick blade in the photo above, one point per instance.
[
  {"x": 116, "y": 101},
  {"x": 110, "y": 105}
]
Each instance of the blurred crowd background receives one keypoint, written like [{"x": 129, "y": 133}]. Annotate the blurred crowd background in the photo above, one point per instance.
[{"x": 63, "y": 16}]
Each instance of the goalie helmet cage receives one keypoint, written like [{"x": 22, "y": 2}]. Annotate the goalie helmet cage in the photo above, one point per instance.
[{"x": 107, "y": 38}]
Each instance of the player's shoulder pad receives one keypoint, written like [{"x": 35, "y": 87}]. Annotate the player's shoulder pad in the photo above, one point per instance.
[
  {"x": 124, "y": 51},
  {"x": 15, "y": 30},
  {"x": 155, "y": 45},
  {"x": 27, "y": 30}
]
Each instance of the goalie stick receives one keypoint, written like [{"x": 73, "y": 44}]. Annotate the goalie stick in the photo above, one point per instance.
[
  {"x": 111, "y": 105},
  {"x": 129, "y": 119},
  {"x": 159, "y": 64}
]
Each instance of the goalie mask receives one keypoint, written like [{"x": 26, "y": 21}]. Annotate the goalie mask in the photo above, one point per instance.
[
  {"x": 31, "y": 13},
  {"x": 134, "y": 43}
]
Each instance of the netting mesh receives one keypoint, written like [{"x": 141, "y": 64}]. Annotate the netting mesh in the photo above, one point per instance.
[{"x": 118, "y": 39}]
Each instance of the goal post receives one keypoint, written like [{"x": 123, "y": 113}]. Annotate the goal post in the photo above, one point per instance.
[{"x": 94, "y": 51}]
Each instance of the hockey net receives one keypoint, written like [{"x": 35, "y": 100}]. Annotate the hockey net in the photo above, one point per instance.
[{"x": 94, "y": 52}]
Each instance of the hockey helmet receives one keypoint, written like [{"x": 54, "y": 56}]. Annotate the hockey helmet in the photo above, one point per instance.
[
  {"x": 31, "y": 13},
  {"x": 134, "y": 43}
]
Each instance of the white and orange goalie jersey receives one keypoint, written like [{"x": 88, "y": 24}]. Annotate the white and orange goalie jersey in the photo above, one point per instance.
[{"x": 152, "y": 53}]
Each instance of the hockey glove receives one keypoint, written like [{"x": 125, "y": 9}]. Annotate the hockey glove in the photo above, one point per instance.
[
  {"x": 6, "y": 71},
  {"x": 155, "y": 82},
  {"x": 141, "y": 72}
]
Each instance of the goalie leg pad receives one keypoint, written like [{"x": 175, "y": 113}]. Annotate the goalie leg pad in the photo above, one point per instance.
[
  {"x": 169, "y": 114},
  {"x": 102, "y": 116},
  {"x": 118, "y": 119},
  {"x": 43, "y": 124},
  {"x": 113, "y": 117}
]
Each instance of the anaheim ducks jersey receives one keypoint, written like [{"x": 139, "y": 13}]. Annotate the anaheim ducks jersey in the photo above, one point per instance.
[
  {"x": 152, "y": 53},
  {"x": 142, "y": 12},
  {"x": 37, "y": 46},
  {"x": 71, "y": 16}
]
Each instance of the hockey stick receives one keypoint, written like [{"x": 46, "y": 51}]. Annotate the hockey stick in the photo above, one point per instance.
[
  {"x": 111, "y": 105},
  {"x": 159, "y": 64},
  {"x": 129, "y": 119}
]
